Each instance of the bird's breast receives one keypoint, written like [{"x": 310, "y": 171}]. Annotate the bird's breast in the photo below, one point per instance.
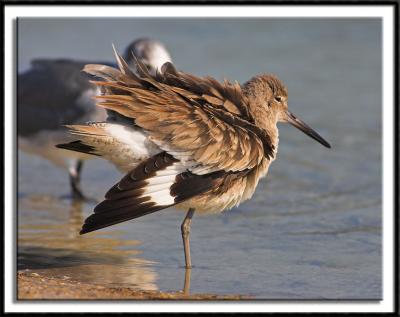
[{"x": 228, "y": 194}]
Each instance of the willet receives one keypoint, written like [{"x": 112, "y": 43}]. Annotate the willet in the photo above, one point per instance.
[
  {"x": 56, "y": 92},
  {"x": 184, "y": 141}
]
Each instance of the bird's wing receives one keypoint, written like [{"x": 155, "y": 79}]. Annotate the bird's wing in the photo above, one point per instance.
[
  {"x": 203, "y": 123},
  {"x": 155, "y": 184}
]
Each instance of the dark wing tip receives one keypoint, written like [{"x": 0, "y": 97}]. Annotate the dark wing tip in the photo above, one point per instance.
[
  {"x": 62, "y": 145},
  {"x": 77, "y": 146},
  {"x": 83, "y": 231}
]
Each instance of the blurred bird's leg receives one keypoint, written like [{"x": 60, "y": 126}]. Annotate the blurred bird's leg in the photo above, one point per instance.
[
  {"x": 75, "y": 180},
  {"x": 185, "y": 229}
]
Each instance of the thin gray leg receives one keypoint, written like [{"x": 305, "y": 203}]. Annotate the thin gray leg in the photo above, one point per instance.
[{"x": 185, "y": 229}]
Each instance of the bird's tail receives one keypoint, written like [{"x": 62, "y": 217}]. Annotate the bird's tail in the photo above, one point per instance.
[{"x": 123, "y": 145}]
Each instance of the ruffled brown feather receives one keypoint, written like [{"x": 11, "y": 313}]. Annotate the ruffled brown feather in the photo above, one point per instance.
[{"x": 208, "y": 121}]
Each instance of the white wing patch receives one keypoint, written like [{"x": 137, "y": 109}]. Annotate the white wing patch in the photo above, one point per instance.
[{"x": 159, "y": 186}]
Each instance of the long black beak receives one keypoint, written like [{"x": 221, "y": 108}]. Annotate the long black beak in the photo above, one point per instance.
[{"x": 291, "y": 118}]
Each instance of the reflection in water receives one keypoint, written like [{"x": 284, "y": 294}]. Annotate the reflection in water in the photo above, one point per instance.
[
  {"x": 54, "y": 247},
  {"x": 186, "y": 286}
]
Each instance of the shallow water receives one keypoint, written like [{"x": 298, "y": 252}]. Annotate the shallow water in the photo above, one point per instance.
[{"x": 313, "y": 228}]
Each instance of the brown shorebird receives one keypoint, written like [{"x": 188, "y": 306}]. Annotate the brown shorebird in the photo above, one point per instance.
[
  {"x": 56, "y": 92},
  {"x": 183, "y": 141}
]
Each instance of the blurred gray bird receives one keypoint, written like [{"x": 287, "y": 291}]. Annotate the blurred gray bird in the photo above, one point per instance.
[{"x": 55, "y": 92}]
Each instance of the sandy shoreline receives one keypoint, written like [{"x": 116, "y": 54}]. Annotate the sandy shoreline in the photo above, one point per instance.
[{"x": 32, "y": 286}]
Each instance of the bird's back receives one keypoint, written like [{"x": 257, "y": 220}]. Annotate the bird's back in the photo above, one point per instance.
[{"x": 54, "y": 93}]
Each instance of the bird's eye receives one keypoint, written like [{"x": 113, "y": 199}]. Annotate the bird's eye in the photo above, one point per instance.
[{"x": 278, "y": 98}]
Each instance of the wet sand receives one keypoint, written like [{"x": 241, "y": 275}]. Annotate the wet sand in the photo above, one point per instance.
[{"x": 36, "y": 286}]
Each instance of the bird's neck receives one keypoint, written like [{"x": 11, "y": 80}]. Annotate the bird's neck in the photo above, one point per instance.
[
  {"x": 264, "y": 119},
  {"x": 267, "y": 121}
]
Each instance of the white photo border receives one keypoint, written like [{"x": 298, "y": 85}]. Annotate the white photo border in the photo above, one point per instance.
[{"x": 387, "y": 12}]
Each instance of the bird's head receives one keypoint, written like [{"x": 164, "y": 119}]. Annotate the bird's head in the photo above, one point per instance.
[
  {"x": 268, "y": 99},
  {"x": 150, "y": 52}
]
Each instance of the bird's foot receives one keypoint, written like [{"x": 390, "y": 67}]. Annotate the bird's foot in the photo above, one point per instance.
[{"x": 78, "y": 196}]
